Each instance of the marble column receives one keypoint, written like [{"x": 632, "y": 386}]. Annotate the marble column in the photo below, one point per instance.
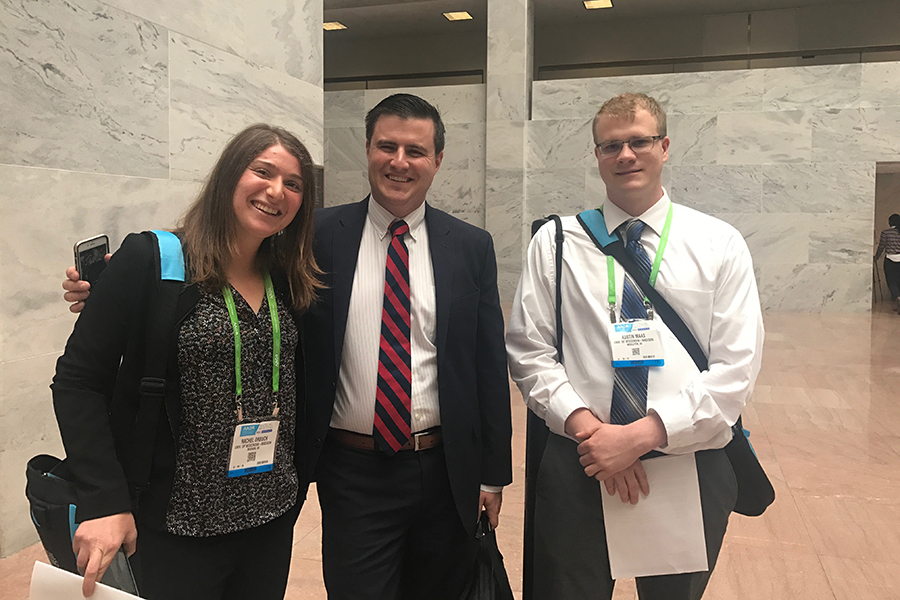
[{"x": 508, "y": 110}]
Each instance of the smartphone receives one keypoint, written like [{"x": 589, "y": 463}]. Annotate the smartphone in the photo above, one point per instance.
[
  {"x": 119, "y": 574},
  {"x": 89, "y": 257}
]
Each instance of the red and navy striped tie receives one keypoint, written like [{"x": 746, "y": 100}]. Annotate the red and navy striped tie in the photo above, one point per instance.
[{"x": 392, "y": 397}]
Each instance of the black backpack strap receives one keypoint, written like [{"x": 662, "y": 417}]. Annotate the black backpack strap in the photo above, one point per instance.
[
  {"x": 170, "y": 275},
  {"x": 536, "y": 430}
]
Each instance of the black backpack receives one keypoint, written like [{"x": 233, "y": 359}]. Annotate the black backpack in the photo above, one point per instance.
[{"x": 50, "y": 487}]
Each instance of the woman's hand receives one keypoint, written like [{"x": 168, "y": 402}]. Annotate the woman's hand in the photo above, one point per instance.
[{"x": 96, "y": 542}]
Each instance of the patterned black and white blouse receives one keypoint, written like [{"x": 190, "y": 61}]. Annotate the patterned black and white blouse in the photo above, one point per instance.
[{"x": 205, "y": 501}]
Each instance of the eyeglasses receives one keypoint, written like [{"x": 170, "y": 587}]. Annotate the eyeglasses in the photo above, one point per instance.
[{"x": 638, "y": 145}]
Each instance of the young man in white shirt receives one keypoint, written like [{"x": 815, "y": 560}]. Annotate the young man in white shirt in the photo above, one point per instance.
[{"x": 705, "y": 273}]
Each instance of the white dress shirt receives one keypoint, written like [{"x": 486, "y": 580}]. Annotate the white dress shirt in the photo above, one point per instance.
[
  {"x": 354, "y": 404},
  {"x": 707, "y": 277}
]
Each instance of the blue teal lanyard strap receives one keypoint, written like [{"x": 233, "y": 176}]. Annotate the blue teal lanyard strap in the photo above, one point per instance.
[{"x": 276, "y": 342}]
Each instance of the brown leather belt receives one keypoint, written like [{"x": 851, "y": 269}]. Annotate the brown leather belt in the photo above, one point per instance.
[{"x": 422, "y": 440}]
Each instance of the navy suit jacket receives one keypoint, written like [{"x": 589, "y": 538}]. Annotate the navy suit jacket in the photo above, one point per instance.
[{"x": 471, "y": 357}]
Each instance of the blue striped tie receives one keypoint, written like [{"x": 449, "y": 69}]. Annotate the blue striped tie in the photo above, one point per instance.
[
  {"x": 391, "y": 428},
  {"x": 629, "y": 399}
]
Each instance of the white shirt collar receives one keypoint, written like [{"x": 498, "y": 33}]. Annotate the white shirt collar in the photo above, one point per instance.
[
  {"x": 381, "y": 219},
  {"x": 654, "y": 217}
]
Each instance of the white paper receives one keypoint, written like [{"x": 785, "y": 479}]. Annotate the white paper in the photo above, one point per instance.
[
  {"x": 50, "y": 583},
  {"x": 663, "y": 533}
]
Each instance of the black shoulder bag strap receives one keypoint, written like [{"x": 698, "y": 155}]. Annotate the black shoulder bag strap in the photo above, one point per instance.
[
  {"x": 170, "y": 275},
  {"x": 755, "y": 491},
  {"x": 536, "y": 430}
]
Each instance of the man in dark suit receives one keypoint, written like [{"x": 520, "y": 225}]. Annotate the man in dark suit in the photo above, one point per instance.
[{"x": 399, "y": 523}]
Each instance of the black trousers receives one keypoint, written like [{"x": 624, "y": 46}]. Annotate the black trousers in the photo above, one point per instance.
[
  {"x": 390, "y": 529},
  {"x": 892, "y": 277},
  {"x": 570, "y": 557},
  {"x": 253, "y": 563}
]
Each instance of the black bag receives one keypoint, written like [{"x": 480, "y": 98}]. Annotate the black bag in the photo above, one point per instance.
[
  {"x": 50, "y": 486},
  {"x": 51, "y": 494},
  {"x": 489, "y": 580}
]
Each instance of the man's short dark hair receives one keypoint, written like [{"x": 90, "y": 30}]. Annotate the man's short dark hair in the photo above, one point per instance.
[
  {"x": 407, "y": 106},
  {"x": 894, "y": 221}
]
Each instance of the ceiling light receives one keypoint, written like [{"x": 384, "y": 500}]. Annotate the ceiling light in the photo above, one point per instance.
[
  {"x": 334, "y": 26},
  {"x": 591, "y": 4},
  {"x": 458, "y": 16}
]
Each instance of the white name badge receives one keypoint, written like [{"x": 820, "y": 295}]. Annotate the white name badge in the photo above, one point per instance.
[
  {"x": 253, "y": 448},
  {"x": 635, "y": 344}
]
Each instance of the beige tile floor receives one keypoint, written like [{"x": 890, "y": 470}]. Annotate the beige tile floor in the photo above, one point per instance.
[{"x": 825, "y": 420}]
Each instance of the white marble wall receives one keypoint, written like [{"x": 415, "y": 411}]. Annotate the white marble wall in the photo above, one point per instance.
[
  {"x": 112, "y": 114},
  {"x": 786, "y": 155},
  {"x": 458, "y": 187}
]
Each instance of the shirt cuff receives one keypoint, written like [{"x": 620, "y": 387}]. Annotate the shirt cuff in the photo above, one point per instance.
[
  {"x": 565, "y": 402},
  {"x": 493, "y": 489}
]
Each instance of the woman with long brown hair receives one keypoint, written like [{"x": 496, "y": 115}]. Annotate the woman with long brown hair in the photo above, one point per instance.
[{"x": 216, "y": 520}]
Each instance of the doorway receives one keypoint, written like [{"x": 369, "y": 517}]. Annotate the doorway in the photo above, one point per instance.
[{"x": 887, "y": 202}]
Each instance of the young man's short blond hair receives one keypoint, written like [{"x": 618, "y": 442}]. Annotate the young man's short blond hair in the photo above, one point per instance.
[{"x": 626, "y": 105}]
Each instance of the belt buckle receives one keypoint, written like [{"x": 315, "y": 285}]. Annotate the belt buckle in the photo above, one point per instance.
[{"x": 416, "y": 438}]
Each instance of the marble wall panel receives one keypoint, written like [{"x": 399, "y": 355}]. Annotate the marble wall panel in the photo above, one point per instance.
[
  {"x": 215, "y": 94},
  {"x": 346, "y": 148},
  {"x": 37, "y": 243},
  {"x": 87, "y": 92},
  {"x": 830, "y": 187},
  {"x": 564, "y": 143},
  {"x": 345, "y": 108},
  {"x": 764, "y": 137},
  {"x": 816, "y": 288},
  {"x": 509, "y": 59},
  {"x": 215, "y": 23},
  {"x": 856, "y": 134},
  {"x": 837, "y": 239},
  {"x": 506, "y": 147},
  {"x": 693, "y": 139},
  {"x": 772, "y": 238},
  {"x": 458, "y": 191},
  {"x": 717, "y": 188},
  {"x": 464, "y": 148},
  {"x": 679, "y": 93},
  {"x": 285, "y": 35},
  {"x": 345, "y": 187},
  {"x": 880, "y": 85},
  {"x": 29, "y": 428},
  {"x": 505, "y": 191},
  {"x": 802, "y": 88},
  {"x": 559, "y": 191},
  {"x": 506, "y": 97},
  {"x": 456, "y": 103},
  {"x": 594, "y": 188},
  {"x": 713, "y": 91}
]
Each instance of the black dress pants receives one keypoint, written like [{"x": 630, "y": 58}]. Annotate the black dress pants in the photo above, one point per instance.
[
  {"x": 253, "y": 563},
  {"x": 571, "y": 559},
  {"x": 390, "y": 528}
]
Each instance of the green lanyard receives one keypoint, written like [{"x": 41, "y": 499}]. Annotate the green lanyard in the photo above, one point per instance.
[
  {"x": 654, "y": 271},
  {"x": 276, "y": 343}
]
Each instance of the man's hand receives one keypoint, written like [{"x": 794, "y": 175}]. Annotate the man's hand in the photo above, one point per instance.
[
  {"x": 96, "y": 542},
  {"x": 612, "y": 448},
  {"x": 490, "y": 502},
  {"x": 629, "y": 482}
]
